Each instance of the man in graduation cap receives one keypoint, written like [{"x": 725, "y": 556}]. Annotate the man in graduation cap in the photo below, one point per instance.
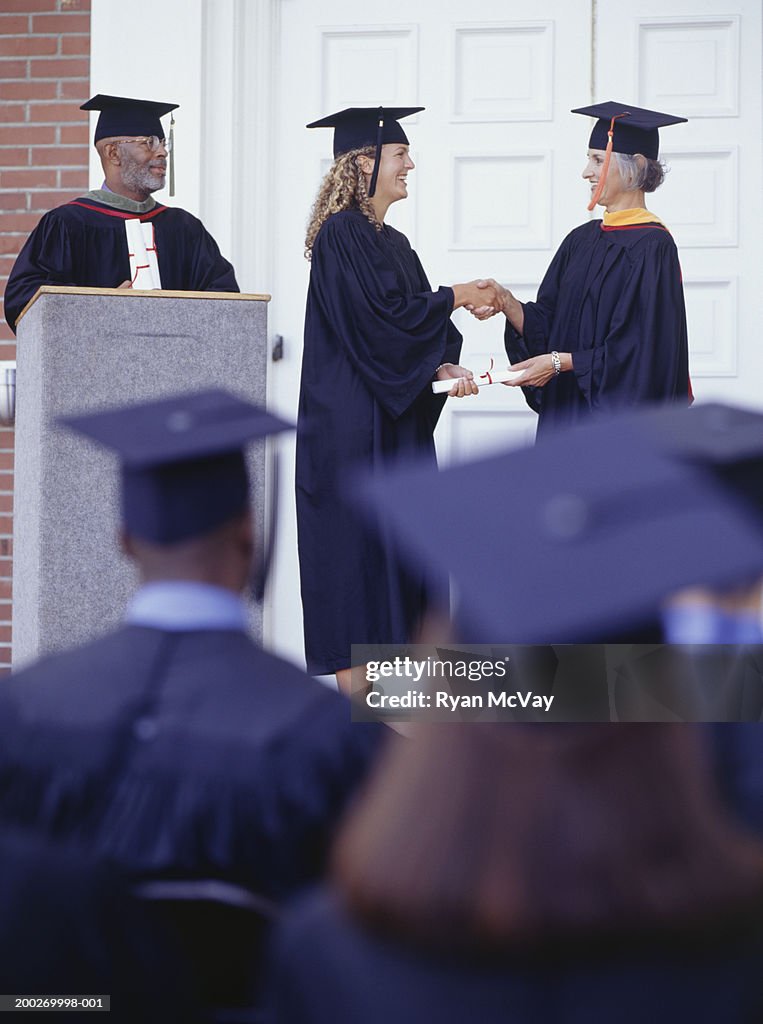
[
  {"x": 175, "y": 745},
  {"x": 84, "y": 242},
  {"x": 608, "y": 328}
]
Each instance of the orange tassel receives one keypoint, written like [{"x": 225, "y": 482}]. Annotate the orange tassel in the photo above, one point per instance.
[{"x": 605, "y": 166}]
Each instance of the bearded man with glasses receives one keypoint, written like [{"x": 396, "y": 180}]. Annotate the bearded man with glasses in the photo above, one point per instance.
[{"x": 84, "y": 242}]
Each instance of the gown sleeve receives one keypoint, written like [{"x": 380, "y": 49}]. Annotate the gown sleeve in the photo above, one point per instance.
[
  {"x": 644, "y": 354},
  {"x": 46, "y": 258},
  {"x": 394, "y": 340}
]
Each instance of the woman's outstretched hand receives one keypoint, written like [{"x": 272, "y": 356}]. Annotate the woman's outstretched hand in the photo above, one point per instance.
[{"x": 538, "y": 371}]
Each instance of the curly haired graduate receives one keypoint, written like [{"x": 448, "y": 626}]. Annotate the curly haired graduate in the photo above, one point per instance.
[{"x": 376, "y": 336}]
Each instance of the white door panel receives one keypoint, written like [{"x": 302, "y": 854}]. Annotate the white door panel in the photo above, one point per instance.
[{"x": 702, "y": 60}]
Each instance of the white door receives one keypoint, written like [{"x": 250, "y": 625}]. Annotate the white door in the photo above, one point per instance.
[
  {"x": 702, "y": 60},
  {"x": 498, "y": 158},
  {"x": 497, "y": 183}
]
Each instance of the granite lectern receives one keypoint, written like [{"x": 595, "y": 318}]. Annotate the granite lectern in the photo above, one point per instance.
[{"x": 90, "y": 348}]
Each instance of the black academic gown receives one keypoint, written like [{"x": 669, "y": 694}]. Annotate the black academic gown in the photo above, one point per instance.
[
  {"x": 737, "y": 755},
  {"x": 69, "y": 926},
  {"x": 327, "y": 969},
  {"x": 613, "y": 298},
  {"x": 83, "y": 243},
  {"x": 375, "y": 334},
  {"x": 191, "y": 754}
]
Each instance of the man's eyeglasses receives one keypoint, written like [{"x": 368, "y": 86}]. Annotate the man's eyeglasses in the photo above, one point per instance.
[{"x": 151, "y": 142}]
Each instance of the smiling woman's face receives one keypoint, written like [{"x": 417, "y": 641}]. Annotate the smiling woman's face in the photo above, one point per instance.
[
  {"x": 394, "y": 165},
  {"x": 613, "y": 187}
]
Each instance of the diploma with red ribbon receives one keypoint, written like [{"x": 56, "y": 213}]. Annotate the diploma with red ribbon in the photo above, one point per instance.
[
  {"x": 144, "y": 268},
  {"x": 489, "y": 376}
]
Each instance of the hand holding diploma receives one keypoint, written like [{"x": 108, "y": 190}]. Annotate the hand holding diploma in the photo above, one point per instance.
[
  {"x": 489, "y": 376},
  {"x": 454, "y": 380},
  {"x": 537, "y": 371}
]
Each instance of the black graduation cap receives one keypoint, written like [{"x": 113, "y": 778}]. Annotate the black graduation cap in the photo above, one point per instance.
[
  {"x": 122, "y": 115},
  {"x": 634, "y": 128},
  {"x": 724, "y": 439},
  {"x": 358, "y": 127},
  {"x": 578, "y": 539},
  {"x": 183, "y": 467}
]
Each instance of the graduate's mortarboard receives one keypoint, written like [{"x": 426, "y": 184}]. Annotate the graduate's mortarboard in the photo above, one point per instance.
[
  {"x": 635, "y": 130},
  {"x": 358, "y": 127},
  {"x": 122, "y": 115},
  {"x": 723, "y": 439},
  {"x": 578, "y": 539},
  {"x": 622, "y": 128},
  {"x": 183, "y": 467}
]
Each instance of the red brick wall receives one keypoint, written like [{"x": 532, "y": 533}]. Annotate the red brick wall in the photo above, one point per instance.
[{"x": 44, "y": 76}]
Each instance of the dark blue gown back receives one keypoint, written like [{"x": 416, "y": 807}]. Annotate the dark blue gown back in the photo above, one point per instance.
[
  {"x": 192, "y": 753},
  {"x": 327, "y": 969}
]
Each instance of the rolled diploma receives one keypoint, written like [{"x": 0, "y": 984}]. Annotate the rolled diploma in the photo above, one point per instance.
[
  {"x": 148, "y": 241},
  {"x": 440, "y": 387},
  {"x": 140, "y": 268}
]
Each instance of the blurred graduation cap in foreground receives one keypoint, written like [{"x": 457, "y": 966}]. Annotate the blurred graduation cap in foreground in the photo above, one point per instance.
[
  {"x": 358, "y": 127},
  {"x": 182, "y": 460},
  {"x": 578, "y": 539},
  {"x": 723, "y": 439}
]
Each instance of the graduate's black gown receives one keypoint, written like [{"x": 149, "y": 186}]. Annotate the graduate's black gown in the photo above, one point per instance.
[
  {"x": 613, "y": 298},
  {"x": 375, "y": 334},
  {"x": 69, "y": 925},
  {"x": 737, "y": 749},
  {"x": 83, "y": 243},
  {"x": 192, "y": 753},
  {"x": 328, "y": 969}
]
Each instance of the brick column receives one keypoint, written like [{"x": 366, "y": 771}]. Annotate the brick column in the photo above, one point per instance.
[{"x": 44, "y": 150}]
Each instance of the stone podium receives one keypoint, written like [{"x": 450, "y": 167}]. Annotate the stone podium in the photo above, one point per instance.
[{"x": 90, "y": 348}]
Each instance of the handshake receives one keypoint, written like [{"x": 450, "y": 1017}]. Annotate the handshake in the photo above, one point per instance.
[{"x": 483, "y": 298}]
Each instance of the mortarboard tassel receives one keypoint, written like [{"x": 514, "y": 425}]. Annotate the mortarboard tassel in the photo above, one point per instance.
[
  {"x": 605, "y": 167},
  {"x": 172, "y": 154},
  {"x": 377, "y": 158}
]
